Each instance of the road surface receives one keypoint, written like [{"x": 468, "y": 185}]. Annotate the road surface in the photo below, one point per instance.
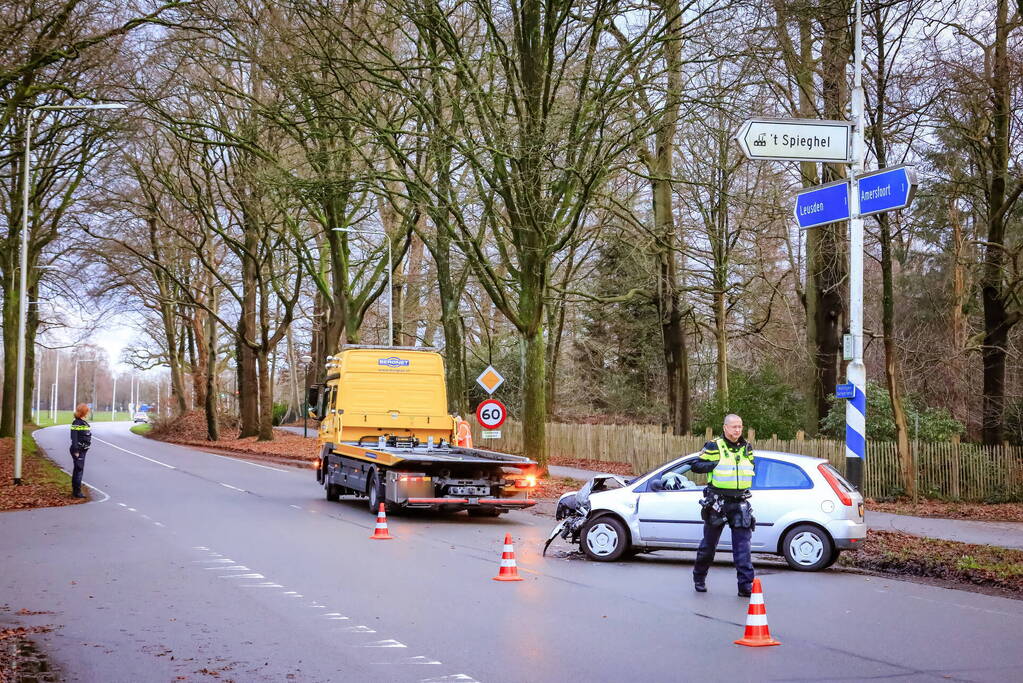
[{"x": 193, "y": 566}]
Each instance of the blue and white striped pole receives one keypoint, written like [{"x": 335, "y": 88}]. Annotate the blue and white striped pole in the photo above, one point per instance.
[{"x": 856, "y": 373}]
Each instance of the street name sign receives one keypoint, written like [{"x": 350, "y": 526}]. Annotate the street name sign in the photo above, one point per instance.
[
  {"x": 796, "y": 140},
  {"x": 887, "y": 189},
  {"x": 823, "y": 204},
  {"x": 845, "y": 390}
]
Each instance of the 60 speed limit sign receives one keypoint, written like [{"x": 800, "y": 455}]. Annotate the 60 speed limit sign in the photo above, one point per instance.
[{"x": 491, "y": 413}]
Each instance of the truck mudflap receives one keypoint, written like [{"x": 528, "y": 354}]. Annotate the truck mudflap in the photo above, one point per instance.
[{"x": 509, "y": 503}]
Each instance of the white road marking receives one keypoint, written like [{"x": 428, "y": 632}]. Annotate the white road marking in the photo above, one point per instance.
[
  {"x": 265, "y": 584},
  {"x": 122, "y": 505},
  {"x": 106, "y": 496},
  {"x": 359, "y": 629},
  {"x": 162, "y": 464},
  {"x": 132, "y": 510},
  {"x": 422, "y": 660},
  {"x": 385, "y": 643},
  {"x": 338, "y": 618},
  {"x": 157, "y": 524},
  {"x": 236, "y": 568},
  {"x": 232, "y": 487},
  {"x": 245, "y": 462},
  {"x": 242, "y": 576},
  {"x": 452, "y": 677},
  {"x": 195, "y": 547},
  {"x": 295, "y": 506}
]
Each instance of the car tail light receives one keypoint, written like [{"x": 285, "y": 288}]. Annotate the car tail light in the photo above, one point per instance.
[
  {"x": 526, "y": 482},
  {"x": 835, "y": 485}
]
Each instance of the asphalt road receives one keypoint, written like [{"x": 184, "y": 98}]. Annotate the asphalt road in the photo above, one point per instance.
[{"x": 189, "y": 564}]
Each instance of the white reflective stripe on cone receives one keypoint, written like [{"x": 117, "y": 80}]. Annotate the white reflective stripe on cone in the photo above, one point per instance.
[
  {"x": 756, "y": 620},
  {"x": 509, "y": 549},
  {"x": 756, "y": 599},
  {"x": 508, "y": 563}
]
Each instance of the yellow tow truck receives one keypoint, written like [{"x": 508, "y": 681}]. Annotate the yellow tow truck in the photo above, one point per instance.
[{"x": 385, "y": 434}]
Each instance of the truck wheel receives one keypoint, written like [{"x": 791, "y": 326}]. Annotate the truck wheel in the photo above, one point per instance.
[
  {"x": 484, "y": 512},
  {"x": 333, "y": 492},
  {"x": 373, "y": 494}
]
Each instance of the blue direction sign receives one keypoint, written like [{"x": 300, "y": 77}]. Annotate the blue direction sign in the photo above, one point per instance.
[
  {"x": 823, "y": 204},
  {"x": 845, "y": 390},
  {"x": 885, "y": 190}
]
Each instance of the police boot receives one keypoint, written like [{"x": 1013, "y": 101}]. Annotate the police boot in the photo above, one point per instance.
[
  {"x": 700, "y": 585},
  {"x": 745, "y": 591}
]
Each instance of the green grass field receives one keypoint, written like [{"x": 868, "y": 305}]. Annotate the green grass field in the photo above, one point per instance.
[
  {"x": 141, "y": 428},
  {"x": 66, "y": 417}
]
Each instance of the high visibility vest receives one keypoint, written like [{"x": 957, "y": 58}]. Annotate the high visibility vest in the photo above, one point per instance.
[
  {"x": 734, "y": 468},
  {"x": 464, "y": 434}
]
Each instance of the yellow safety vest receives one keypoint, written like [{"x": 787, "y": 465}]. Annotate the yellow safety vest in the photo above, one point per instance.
[{"x": 734, "y": 468}]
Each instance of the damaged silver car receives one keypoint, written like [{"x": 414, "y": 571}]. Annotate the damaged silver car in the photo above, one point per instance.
[{"x": 805, "y": 511}]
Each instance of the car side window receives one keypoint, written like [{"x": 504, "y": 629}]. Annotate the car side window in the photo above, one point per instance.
[
  {"x": 774, "y": 474},
  {"x": 681, "y": 478}
]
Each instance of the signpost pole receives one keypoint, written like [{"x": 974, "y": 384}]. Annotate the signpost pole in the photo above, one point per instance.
[{"x": 856, "y": 373}]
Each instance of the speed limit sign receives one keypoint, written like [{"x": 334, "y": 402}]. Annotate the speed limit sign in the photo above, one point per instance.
[{"x": 491, "y": 413}]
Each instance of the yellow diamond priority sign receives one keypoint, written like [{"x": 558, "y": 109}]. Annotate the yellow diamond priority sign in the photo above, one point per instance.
[{"x": 490, "y": 379}]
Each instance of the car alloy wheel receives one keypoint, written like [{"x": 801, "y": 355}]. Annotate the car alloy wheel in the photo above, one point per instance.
[{"x": 807, "y": 548}]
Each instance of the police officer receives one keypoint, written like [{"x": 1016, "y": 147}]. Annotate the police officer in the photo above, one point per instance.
[
  {"x": 81, "y": 439},
  {"x": 728, "y": 462}
]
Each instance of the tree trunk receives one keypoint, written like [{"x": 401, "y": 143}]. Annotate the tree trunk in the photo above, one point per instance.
[
  {"x": 997, "y": 318},
  {"x": 248, "y": 384},
  {"x": 534, "y": 396},
  {"x": 265, "y": 396},
  {"x": 210, "y": 393}
]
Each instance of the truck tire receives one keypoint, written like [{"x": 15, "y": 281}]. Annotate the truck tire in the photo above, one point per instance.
[
  {"x": 333, "y": 492},
  {"x": 374, "y": 496},
  {"x": 484, "y": 512}
]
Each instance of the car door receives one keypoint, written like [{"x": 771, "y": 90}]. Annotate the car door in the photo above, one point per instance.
[
  {"x": 777, "y": 489},
  {"x": 672, "y": 517}
]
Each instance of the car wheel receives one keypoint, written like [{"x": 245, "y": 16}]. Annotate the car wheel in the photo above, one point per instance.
[
  {"x": 807, "y": 548},
  {"x": 373, "y": 496},
  {"x": 833, "y": 559},
  {"x": 604, "y": 539}
]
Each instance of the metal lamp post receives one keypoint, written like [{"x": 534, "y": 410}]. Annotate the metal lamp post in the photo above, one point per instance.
[
  {"x": 19, "y": 409},
  {"x": 390, "y": 269}
]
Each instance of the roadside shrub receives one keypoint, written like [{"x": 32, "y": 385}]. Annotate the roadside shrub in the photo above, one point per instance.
[
  {"x": 277, "y": 415},
  {"x": 924, "y": 423},
  {"x": 764, "y": 401}
]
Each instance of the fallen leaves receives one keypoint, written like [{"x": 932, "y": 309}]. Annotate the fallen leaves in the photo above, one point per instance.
[
  {"x": 42, "y": 483},
  {"x": 982, "y": 512},
  {"x": 894, "y": 552}
]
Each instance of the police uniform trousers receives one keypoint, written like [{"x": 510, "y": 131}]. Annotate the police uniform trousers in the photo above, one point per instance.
[
  {"x": 78, "y": 458},
  {"x": 740, "y": 553}
]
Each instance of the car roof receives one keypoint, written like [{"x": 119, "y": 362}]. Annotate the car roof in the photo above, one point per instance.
[{"x": 805, "y": 460}]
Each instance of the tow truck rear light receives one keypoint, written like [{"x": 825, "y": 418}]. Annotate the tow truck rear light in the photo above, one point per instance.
[
  {"x": 836, "y": 484},
  {"x": 412, "y": 478},
  {"x": 526, "y": 482}
]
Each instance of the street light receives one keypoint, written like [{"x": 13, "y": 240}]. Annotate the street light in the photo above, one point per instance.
[
  {"x": 306, "y": 360},
  {"x": 19, "y": 409},
  {"x": 390, "y": 268}
]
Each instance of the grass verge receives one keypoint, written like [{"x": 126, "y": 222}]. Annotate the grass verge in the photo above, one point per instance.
[
  {"x": 142, "y": 429},
  {"x": 43, "y": 484},
  {"x": 899, "y": 554}
]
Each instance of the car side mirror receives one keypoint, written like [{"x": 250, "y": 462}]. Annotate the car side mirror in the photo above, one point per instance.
[{"x": 656, "y": 484}]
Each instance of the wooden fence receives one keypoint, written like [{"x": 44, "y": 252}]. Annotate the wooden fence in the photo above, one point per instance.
[{"x": 952, "y": 471}]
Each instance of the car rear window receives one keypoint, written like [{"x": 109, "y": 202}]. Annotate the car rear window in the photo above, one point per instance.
[
  {"x": 774, "y": 474},
  {"x": 841, "y": 480}
]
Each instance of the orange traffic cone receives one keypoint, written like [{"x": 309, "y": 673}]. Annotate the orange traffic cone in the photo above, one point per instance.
[
  {"x": 380, "y": 533},
  {"x": 509, "y": 572},
  {"x": 757, "y": 634}
]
